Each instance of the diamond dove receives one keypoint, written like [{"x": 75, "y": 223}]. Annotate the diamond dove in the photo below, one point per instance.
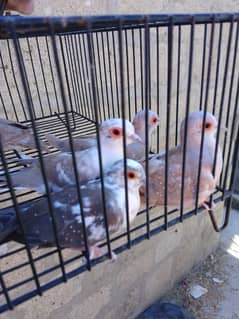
[
  {"x": 59, "y": 167},
  {"x": 15, "y": 135},
  {"x": 207, "y": 183},
  {"x": 134, "y": 151},
  {"x": 36, "y": 219}
]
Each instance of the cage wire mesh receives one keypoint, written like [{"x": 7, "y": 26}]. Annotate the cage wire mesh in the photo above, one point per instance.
[{"x": 65, "y": 76}]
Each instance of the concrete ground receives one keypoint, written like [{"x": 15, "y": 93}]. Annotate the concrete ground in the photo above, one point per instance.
[{"x": 219, "y": 274}]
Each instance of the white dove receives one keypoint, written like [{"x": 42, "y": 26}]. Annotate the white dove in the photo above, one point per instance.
[
  {"x": 134, "y": 151},
  {"x": 68, "y": 216},
  {"x": 59, "y": 167},
  {"x": 175, "y": 164},
  {"x": 17, "y": 136}
]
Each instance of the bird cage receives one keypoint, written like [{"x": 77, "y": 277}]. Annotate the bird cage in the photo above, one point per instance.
[{"x": 64, "y": 76}]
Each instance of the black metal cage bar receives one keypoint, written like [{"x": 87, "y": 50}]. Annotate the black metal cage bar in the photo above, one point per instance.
[{"x": 65, "y": 76}]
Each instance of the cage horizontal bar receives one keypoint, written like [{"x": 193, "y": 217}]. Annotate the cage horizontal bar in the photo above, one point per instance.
[
  {"x": 79, "y": 270},
  {"x": 97, "y": 68},
  {"x": 33, "y": 26}
]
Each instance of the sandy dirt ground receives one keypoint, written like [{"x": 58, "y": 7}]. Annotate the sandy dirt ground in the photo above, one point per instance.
[{"x": 222, "y": 299}]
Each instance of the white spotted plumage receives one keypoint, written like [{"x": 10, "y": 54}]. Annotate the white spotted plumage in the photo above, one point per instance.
[
  {"x": 175, "y": 161},
  {"x": 68, "y": 212}
]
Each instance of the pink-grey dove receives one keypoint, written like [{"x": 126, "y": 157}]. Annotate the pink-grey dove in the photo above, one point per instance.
[
  {"x": 134, "y": 150},
  {"x": 68, "y": 216},
  {"x": 59, "y": 167},
  {"x": 17, "y": 136},
  {"x": 156, "y": 166}
]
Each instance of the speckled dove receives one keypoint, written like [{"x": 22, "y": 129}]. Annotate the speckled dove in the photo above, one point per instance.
[
  {"x": 59, "y": 167},
  {"x": 37, "y": 221},
  {"x": 175, "y": 160},
  {"x": 134, "y": 151},
  {"x": 17, "y": 136}
]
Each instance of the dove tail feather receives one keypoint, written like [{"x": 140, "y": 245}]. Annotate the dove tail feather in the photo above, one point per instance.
[
  {"x": 8, "y": 223},
  {"x": 30, "y": 142},
  {"x": 62, "y": 145}
]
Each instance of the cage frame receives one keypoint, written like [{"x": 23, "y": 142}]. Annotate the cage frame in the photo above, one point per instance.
[{"x": 19, "y": 27}]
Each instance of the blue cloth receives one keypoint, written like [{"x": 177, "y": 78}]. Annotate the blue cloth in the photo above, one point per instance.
[{"x": 165, "y": 311}]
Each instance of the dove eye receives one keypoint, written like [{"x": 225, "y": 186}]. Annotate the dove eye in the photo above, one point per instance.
[
  {"x": 208, "y": 125},
  {"x": 116, "y": 132},
  {"x": 154, "y": 120},
  {"x": 131, "y": 175}
]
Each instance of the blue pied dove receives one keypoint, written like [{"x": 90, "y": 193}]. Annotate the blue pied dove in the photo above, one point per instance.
[{"x": 37, "y": 221}]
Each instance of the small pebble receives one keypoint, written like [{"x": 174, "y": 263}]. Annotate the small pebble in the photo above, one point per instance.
[
  {"x": 197, "y": 291},
  {"x": 217, "y": 280}
]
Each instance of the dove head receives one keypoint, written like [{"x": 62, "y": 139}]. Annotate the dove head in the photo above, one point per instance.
[
  {"x": 135, "y": 174},
  {"x": 111, "y": 131},
  {"x": 196, "y": 125},
  {"x": 139, "y": 123}
]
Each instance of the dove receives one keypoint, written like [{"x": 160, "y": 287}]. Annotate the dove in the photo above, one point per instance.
[
  {"x": 156, "y": 166},
  {"x": 17, "y": 136},
  {"x": 36, "y": 219},
  {"x": 134, "y": 151},
  {"x": 80, "y": 143},
  {"x": 59, "y": 167}
]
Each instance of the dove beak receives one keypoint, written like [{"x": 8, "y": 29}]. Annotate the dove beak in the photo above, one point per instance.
[{"x": 134, "y": 138}]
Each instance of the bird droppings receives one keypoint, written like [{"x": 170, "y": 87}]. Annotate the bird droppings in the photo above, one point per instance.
[
  {"x": 197, "y": 291},
  {"x": 206, "y": 306}
]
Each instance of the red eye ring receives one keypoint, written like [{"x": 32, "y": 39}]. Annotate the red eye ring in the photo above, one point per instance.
[
  {"x": 116, "y": 132},
  {"x": 131, "y": 175},
  {"x": 154, "y": 120},
  {"x": 208, "y": 125}
]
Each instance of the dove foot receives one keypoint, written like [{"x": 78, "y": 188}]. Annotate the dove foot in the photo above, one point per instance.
[
  {"x": 209, "y": 206},
  {"x": 97, "y": 252}
]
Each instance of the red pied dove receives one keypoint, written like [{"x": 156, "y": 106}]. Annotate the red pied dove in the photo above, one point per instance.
[
  {"x": 135, "y": 150},
  {"x": 208, "y": 182},
  {"x": 59, "y": 167},
  {"x": 17, "y": 136},
  {"x": 36, "y": 219}
]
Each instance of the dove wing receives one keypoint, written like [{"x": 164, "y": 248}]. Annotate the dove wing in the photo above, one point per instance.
[
  {"x": 5, "y": 122},
  {"x": 37, "y": 221},
  {"x": 17, "y": 135},
  {"x": 135, "y": 151},
  {"x": 80, "y": 143},
  {"x": 174, "y": 178}
]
